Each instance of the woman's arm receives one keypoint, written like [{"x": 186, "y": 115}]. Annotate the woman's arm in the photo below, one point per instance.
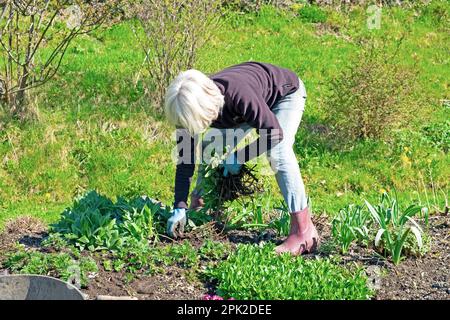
[{"x": 185, "y": 167}]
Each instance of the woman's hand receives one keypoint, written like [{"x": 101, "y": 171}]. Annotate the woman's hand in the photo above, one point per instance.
[
  {"x": 176, "y": 222},
  {"x": 196, "y": 202},
  {"x": 231, "y": 165}
]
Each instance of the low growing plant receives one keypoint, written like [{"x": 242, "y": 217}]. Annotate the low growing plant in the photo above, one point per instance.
[
  {"x": 96, "y": 223},
  {"x": 394, "y": 226},
  {"x": 254, "y": 272},
  {"x": 349, "y": 225},
  {"x": 60, "y": 265},
  {"x": 213, "y": 250},
  {"x": 313, "y": 14}
]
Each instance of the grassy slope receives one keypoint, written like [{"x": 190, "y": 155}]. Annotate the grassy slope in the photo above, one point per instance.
[{"x": 97, "y": 130}]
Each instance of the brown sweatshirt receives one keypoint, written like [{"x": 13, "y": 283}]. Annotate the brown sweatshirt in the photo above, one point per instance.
[{"x": 251, "y": 89}]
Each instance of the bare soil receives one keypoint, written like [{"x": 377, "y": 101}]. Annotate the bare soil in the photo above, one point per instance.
[{"x": 426, "y": 277}]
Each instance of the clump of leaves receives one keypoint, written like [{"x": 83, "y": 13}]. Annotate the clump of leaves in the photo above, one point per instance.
[
  {"x": 351, "y": 224},
  {"x": 438, "y": 135},
  {"x": 392, "y": 231},
  {"x": 395, "y": 226},
  {"x": 218, "y": 189},
  {"x": 313, "y": 14},
  {"x": 283, "y": 223},
  {"x": 214, "y": 250},
  {"x": 373, "y": 95},
  {"x": 152, "y": 259},
  {"x": 96, "y": 223},
  {"x": 253, "y": 272},
  {"x": 59, "y": 265}
]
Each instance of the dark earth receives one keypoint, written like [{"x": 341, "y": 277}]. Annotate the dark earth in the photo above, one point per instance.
[{"x": 417, "y": 278}]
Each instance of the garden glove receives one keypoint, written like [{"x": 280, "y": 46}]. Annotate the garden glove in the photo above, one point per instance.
[
  {"x": 231, "y": 165},
  {"x": 176, "y": 221}
]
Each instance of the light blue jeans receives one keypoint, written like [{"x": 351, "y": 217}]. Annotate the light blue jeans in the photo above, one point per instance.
[{"x": 289, "y": 111}]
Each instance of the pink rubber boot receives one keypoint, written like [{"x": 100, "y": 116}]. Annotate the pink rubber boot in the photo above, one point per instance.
[{"x": 303, "y": 236}]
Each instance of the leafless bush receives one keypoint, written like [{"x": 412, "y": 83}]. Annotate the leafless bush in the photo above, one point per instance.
[
  {"x": 34, "y": 37},
  {"x": 255, "y": 5},
  {"x": 170, "y": 32},
  {"x": 373, "y": 95}
]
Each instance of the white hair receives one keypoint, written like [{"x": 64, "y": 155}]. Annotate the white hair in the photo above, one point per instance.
[{"x": 193, "y": 101}]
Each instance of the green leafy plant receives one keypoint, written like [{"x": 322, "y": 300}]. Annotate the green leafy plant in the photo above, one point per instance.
[
  {"x": 253, "y": 272},
  {"x": 349, "y": 225},
  {"x": 214, "y": 250},
  {"x": 96, "y": 223},
  {"x": 313, "y": 14},
  {"x": 219, "y": 190},
  {"x": 60, "y": 265},
  {"x": 438, "y": 135},
  {"x": 283, "y": 223},
  {"x": 395, "y": 226}
]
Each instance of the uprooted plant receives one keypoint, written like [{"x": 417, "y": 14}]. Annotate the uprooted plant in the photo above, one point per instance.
[{"x": 218, "y": 189}]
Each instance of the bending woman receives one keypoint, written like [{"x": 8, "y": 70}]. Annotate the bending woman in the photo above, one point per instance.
[{"x": 242, "y": 97}]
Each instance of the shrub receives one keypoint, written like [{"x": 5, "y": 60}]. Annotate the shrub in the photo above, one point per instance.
[
  {"x": 254, "y": 272},
  {"x": 373, "y": 95},
  {"x": 247, "y": 6},
  {"x": 34, "y": 38},
  {"x": 170, "y": 33}
]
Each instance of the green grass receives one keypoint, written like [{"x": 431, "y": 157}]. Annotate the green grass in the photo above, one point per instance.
[
  {"x": 97, "y": 130},
  {"x": 258, "y": 273}
]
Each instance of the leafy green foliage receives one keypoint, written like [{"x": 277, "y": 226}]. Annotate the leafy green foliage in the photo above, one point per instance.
[
  {"x": 96, "y": 223},
  {"x": 395, "y": 226},
  {"x": 283, "y": 223},
  {"x": 351, "y": 224},
  {"x": 212, "y": 250},
  {"x": 392, "y": 231},
  {"x": 438, "y": 134},
  {"x": 184, "y": 255},
  {"x": 313, "y": 14},
  {"x": 435, "y": 13},
  {"x": 254, "y": 272},
  {"x": 60, "y": 265}
]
